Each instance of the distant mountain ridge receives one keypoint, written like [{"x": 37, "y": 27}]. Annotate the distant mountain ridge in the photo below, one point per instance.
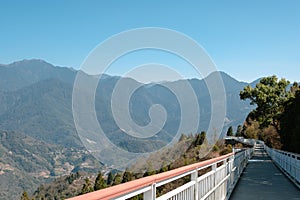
[
  {"x": 38, "y": 96},
  {"x": 36, "y": 102},
  {"x": 23, "y": 73}
]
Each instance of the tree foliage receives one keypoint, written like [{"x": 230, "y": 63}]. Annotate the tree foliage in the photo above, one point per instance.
[
  {"x": 24, "y": 196},
  {"x": 239, "y": 131},
  {"x": 100, "y": 183},
  {"x": 199, "y": 138},
  {"x": 87, "y": 187},
  {"x": 290, "y": 125},
  {"x": 110, "y": 178},
  {"x": 150, "y": 170},
  {"x": 273, "y": 120},
  {"x": 127, "y": 176},
  {"x": 163, "y": 168},
  {"x": 117, "y": 179},
  {"x": 270, "y": 95},
  {"x": 230, "y": 131}
]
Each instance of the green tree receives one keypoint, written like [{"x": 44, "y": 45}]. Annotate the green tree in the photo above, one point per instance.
[
  {"x": 251, "y": 128},
  {"x": 269, "y": 95},
  {"x": 230, "y": 131},
  {"x": 24, "y": 196},
  {"x": 295, "y": 87},
  {"x": 239, "y": 131},
  {"x": 117, "y": 179},
  {"x": 199, "y": 138},
  {"x": 202, "y": 137},
  {"x": 87, "y": 187},
  {"x": 150, "y": 170},
  {"x": 127, "y": 176},
  {"x": 164, "y": 168},
  {"x": 110, "y": 178},
  {"x": 99, "y": 182},
  {"x": 290, "y": 125}
]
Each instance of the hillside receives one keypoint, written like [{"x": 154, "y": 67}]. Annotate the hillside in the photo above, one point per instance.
[
  {"x": 26, "y": 163},
  {"x": 36, "y": 108},
  {"x": 43, "y": 109},
  {"x": 190, "y": 148}
]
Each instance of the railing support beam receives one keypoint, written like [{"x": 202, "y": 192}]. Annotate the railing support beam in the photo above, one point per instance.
[
  {"x": 194, "y": 177},
  {"x": 150, "y": 194}
]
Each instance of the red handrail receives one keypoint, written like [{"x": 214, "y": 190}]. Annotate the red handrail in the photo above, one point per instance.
[{"x": 122, "y": 189}]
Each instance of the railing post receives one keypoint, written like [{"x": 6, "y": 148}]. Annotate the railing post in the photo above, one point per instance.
[
  {"x": 214, "y": 169},
  {"x": 194, "y": 177},
  {"x": 231, "y": 177},
  {"x": 150, "y": 194},
  {"x": 298, "y": 167},
  {"x": 289, "y": 163}
]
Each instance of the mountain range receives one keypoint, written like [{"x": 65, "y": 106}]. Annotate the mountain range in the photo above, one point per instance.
[{"x": 36, "y": 120}]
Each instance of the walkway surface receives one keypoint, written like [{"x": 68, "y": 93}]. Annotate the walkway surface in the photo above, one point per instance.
[{"x": 263, "y": 180}]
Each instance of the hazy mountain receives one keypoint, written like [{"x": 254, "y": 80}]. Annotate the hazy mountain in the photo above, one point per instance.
[
  {"x": 36, "y": 100},
  {"x": 26, "y": 72},
  {"x": 41, "y": 110},
  {"x": 41, "y": 106}
]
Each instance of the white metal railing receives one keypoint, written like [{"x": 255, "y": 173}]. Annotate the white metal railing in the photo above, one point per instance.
[
  {"x": 240, "y": 161},
  {"x": 242, "y": 140},
  {"x": 211, "y": 185},
  {"x": 217, "y": 183},
  {"x": 288, "y": 162}
]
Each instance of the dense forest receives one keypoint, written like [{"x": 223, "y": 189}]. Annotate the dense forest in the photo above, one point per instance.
[{"x": 276, "y": 118}]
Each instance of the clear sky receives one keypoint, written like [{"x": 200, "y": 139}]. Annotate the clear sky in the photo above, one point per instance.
[{"x": 246, "y": 39}]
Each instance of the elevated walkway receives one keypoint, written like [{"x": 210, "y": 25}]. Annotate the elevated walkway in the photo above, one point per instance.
[
  {"x": 221, "y": 175},
  {"x": 262, "y": 179},
  {"x": 252, "y": 173}
]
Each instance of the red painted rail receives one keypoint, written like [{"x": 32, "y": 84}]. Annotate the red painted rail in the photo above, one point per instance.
[{"x": 125, "y": 188}]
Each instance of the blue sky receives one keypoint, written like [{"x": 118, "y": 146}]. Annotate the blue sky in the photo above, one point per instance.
[{"x": 246, "y": 39}]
